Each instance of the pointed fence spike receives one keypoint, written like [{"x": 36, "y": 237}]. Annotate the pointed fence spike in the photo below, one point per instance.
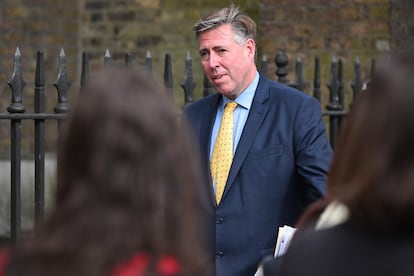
[
  {"x": 188, "y": 84},
  {"x": 17, "y": 52},
  {"x": 299, "y": 83},
  {"x": 107, "y": 58},
  {"x": 317, "y": 80},
  {"x": 85, "y": 70},
  {"x": 107, "y": 53},
  {"x": 16, "y": 83},
  {"x": 264, "y": 65},
  {"x": 168, "y": 75},
  {"x": 356, "y": 84},
  {"x": 148, "y": 62},
  {"x": 62, "y": 85}
]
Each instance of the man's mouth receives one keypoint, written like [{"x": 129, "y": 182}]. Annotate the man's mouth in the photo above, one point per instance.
[{"x": 217, "y": 77}]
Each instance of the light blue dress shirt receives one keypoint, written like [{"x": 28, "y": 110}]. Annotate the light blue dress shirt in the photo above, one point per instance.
[{"x": 244, "y": 101}]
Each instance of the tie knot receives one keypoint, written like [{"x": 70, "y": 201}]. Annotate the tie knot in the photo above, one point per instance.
[{"x": 230, "y": 106}]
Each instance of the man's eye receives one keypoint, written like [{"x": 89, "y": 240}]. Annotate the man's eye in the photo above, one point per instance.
[{"x": 203, "y": 55}]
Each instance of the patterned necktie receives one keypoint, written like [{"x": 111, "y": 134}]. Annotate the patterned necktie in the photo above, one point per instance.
[{"x": 223, "y": 151}]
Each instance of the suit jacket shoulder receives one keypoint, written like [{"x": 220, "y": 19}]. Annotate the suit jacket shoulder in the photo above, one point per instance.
[{"x": 282, "y": 92}]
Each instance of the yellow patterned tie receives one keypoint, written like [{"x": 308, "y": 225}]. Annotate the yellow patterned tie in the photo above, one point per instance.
[{"x": 223, "y": 151}]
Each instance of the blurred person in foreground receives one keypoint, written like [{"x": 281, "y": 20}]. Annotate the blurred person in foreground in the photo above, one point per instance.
[
  {"x": 126, "y": 201},
  {"x": 367, "y": 221},
  {"x": 278, "y": 153}
]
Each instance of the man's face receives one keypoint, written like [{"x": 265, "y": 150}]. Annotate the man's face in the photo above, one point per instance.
[{"x": 229, "y": 66}]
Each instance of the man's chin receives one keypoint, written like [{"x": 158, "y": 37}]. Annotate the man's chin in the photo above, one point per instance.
[{"x": 228, "y": 94}]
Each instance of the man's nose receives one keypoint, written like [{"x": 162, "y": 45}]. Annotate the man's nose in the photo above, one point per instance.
[{"x": 213, "y": 60}]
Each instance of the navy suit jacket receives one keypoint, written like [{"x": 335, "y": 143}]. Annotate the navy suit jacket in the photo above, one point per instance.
[{"x": 279, "y": 167}]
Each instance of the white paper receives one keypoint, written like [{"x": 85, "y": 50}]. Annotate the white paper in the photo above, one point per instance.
[{"x": 284, "y": 236}]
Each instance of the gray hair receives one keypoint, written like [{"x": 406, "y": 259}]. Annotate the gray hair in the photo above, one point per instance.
[{"x": 243, "y": 26}]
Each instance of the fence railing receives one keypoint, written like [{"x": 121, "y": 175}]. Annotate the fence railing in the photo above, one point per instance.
[{"x": 335, "y": 109}]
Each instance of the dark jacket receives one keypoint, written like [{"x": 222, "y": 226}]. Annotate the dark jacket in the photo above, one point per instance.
[
  {"x": 279, "y": 167},
  {"x": 344, "y": 250}
]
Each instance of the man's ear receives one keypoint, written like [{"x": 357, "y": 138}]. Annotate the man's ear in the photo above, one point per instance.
[{"x": 251, "y": 47}]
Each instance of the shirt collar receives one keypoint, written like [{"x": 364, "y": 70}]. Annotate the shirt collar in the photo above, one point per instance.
[{"x": 245, "y": 99}]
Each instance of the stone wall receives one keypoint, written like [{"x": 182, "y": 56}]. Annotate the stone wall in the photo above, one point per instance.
[{"x": 27, "y": 193}]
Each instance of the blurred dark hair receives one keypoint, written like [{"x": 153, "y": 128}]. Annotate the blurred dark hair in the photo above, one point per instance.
[
  {"x": 373, "y": 167},
  {"x": 126, "y": 175}
]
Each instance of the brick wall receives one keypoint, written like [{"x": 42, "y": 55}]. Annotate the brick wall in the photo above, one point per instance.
[
  {"x": 401, "y": 18},
  {"x": 346, "y": 29},
  {"x": 36, "y": 25},
  {"x": 305, "y": 28},
  {"x": 159, "y": 26}
]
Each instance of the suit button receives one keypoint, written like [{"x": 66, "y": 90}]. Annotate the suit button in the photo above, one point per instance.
[
  {"x": 219, "y": 220},
  {"x": 219, "y": 254}
]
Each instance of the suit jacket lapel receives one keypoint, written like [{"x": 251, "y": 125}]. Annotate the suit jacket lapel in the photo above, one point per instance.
[
  {"x": 257, "y": 113},
  {"x": 208, "y": 118}
]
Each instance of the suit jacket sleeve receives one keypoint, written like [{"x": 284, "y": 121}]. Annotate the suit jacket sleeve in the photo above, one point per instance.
[{"x": 312, "y": 150}]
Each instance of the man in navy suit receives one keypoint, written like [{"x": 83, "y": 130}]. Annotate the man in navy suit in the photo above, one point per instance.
[{"x": 280, "y": 146}]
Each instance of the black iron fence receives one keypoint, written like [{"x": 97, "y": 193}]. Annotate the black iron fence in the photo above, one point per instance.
[{"x": 334, "y": 110}]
